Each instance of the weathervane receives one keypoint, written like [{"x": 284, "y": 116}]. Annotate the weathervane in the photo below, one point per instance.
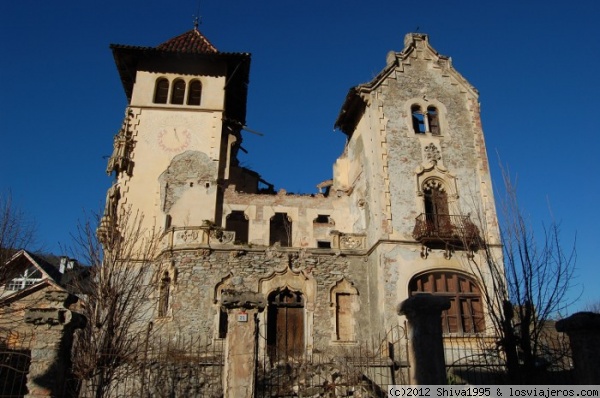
[{"x": 197, "y": 18}]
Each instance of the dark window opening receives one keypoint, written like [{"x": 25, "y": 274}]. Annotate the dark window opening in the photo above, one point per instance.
[
  {"x": 161, "y": 91},
  {"x": 163, "y": 299},
  {"x": 285, "y": 324},
  {"x": 433, "y": 120},
  {"x": 280, "y": 230},
  {"x": 223, "y": 320},
  {"x": 236, "y": 221},
  {"x": 323, "y": 244},
  {"x": 195, "y": 93},
  {"x": 466, "y": 310},
  {"x": 322, "y": 219},
  {"x": 418, "y": 120},
  {"x": 178, "y": 92},
  {"x": 436, "y": 209}
]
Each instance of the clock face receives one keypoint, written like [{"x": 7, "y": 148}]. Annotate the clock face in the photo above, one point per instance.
[{"x": 173, "y": 139}]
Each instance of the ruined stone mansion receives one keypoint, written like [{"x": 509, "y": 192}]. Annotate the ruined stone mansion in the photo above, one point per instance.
[{"x": 407, "y": 201}]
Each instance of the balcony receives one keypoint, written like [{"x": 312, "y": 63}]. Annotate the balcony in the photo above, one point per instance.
[{"x": 446, "y": 231}]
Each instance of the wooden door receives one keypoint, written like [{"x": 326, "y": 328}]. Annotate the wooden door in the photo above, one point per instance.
[{"x": 285, "y": 324}]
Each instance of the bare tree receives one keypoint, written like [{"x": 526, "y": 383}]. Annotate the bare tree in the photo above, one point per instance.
[
  {"x": 526, "y": 283},
  {"x": 593, "y": 307},
  {"x": 17, "y": 231},
  {"x": 117, "y": 299}
]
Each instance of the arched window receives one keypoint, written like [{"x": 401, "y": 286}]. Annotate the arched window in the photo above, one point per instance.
[
  {"x": 433, "y": 120},
  {"x": 178, "y": 92},
  {"x": 238, "y": 222},
  {"x": 194, "y": 93},
  {"x": 161, "y": 91},
  {"x": 163, "y": 296},
  {"x": 436, "y": 206},
  {"x": 418, "y": 119},
  {"x": 466, "y": 310}
]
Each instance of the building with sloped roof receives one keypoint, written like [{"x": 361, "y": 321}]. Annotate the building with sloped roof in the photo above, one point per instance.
[{"x": 409, "y": 200}]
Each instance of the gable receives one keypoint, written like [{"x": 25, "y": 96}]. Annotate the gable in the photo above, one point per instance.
[
  {"x": 25, "y": 270},
  {"x": 417, "y": 53}
]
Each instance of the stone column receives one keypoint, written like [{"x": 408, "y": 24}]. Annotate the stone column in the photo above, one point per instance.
[
  {"x": 583, "y": 329},
  {"x": 240, "y": 346},
  {"x": 426, "y": 348},
  {"x": 51, "y": 348}
]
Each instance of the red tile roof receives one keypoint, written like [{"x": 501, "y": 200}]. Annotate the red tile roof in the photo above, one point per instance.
[{"x": 190, "y": 42}]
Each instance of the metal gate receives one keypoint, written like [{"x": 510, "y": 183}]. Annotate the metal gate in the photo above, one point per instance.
[{"x": 15, "y": 358}]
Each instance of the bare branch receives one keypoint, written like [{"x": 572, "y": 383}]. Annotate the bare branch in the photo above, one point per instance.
[
  {"x": 526, "y": 282},
  {"x": 17, "y": 231},
  {"x": 117, "y": 298}
]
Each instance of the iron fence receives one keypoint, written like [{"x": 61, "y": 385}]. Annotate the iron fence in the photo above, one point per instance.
[
  {"x": 346, "y": 369},
  {"x": 478, "y": 359},
  {"x": 173, "y": 368}
]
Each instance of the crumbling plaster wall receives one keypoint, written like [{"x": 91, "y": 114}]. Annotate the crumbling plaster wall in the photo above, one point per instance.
[
  {"x": 302, "y": 209},
  {"x": 366, "y": 173},
  {"x": 186, "y": 186},
  {"x": 160, "y": 136}
]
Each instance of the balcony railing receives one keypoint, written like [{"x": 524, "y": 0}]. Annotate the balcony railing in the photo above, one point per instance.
[{"x": 445, "y": 229}]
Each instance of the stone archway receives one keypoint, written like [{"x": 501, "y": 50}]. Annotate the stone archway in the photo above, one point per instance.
[{"x": 291, "y": 305}]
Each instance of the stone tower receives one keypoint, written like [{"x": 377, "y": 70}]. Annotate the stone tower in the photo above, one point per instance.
[
  {"x": 416, "y": 163},
  {"x": 186, "y": 105}
]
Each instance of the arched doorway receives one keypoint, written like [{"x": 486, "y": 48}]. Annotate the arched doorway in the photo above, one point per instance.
[{"x": 285, "y": 324}]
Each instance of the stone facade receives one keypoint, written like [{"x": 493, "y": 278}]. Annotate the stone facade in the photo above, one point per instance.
[{"x": 336, "y": 263}]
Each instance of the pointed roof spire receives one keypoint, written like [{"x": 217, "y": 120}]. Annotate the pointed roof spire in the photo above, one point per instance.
[{"x": 191, "y": 41}]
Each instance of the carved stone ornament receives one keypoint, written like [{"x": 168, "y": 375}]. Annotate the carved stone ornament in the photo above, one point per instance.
[
  {"x": 432, "y": 153},
  {"x": 188, "y": 236},
  {"x": 222, "y": 237},
  {"x": 351, "y": 242}
]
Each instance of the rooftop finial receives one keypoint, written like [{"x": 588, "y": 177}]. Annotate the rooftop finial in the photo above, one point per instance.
[{"x": 197, "y": 18}]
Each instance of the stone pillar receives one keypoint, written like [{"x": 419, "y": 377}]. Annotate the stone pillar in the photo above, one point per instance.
[
  {"x": 583, "y": 329},
  {"x": 51, "y": 347},
  {"x": 240, "y": 346},
  {"x": 426, "y": 348}
]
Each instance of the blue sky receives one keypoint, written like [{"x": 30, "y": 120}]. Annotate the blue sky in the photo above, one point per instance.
[{"x": 535, "y": 64}]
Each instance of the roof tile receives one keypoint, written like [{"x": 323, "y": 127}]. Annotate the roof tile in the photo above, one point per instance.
[{"x": 190, "y": 42}]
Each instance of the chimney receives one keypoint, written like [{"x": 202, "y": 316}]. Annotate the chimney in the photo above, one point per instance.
[
  {"x": 66, "y": 264},
  {"x": 63, "y": 264}
]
